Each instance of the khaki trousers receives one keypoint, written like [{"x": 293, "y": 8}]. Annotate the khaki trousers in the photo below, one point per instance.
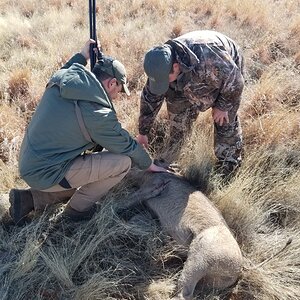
[{"x": 91, "y": 176}]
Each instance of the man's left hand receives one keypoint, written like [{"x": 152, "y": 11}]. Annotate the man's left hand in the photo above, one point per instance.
[
  {"x": 220, "y": 117},
  {"x": 156, "y": 169}
]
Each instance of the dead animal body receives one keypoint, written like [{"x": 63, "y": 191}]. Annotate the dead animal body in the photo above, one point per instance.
[{"x": 214, "y": 258}]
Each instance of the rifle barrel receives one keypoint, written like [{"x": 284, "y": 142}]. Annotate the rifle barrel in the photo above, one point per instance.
[{"x": 93, "y": 34}]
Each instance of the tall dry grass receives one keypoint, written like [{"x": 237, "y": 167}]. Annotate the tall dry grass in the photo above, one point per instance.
[{"x": 107, "y": 258}]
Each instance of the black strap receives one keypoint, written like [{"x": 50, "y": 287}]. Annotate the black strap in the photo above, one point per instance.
[{"x": 64, "y": 183}]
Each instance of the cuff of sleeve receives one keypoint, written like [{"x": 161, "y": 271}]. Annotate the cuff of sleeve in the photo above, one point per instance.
[
  {"x": 141, "y": 158},
  {"x": 79, "y": 58},
  {"x": 146, "y": 166},
  {"x": 223, "y": 106}
]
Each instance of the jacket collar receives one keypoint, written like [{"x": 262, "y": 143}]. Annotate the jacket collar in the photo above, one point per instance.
[{"x": 185, "y": 56}]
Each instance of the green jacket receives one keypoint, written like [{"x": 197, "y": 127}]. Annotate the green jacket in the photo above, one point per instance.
[{"x": 54, "y": 137}]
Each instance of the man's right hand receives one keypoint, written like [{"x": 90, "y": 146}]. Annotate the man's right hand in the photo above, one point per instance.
[
  {"x": 220, "y": 117},
  {"x": 142, "y": 140}
]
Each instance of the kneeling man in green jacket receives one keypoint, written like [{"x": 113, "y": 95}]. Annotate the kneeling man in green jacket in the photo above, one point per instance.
[{"x": 76, "y": 114}]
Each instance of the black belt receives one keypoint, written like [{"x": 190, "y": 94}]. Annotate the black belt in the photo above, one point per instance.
[{"x": 64, "y": 183}]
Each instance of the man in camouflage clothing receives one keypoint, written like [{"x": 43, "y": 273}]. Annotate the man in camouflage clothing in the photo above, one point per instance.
[{"x": 194, "y": 72}]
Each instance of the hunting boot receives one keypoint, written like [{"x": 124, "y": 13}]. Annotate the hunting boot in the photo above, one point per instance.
[
  {"x": 71, "y": 214},
  {"x": 21, "y": 204}
]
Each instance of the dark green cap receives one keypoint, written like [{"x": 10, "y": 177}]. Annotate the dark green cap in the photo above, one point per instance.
[
  {"x": 157, "y": 65},
  {"x": 115, "y": 69}
]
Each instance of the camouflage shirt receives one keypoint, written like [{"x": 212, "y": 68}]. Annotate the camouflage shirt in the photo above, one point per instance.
[{"x": 211, "y": 75}]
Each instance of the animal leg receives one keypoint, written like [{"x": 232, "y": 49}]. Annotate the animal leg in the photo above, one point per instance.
[
  {"x": 195, "y": 269},
  {"x": 136, "y": 202}
]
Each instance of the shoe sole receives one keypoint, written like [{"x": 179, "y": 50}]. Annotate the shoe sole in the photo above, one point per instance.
[{"x": 14, "y": 210}]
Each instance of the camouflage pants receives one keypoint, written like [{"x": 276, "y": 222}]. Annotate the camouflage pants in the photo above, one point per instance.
[{"x": 227, "y": 138}]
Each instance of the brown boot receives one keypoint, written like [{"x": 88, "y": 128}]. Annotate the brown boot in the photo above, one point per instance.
[{"x": 21, "y": 204}]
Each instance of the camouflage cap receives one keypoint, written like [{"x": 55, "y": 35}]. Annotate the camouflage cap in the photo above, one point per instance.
[
  {"x": 115, "y": 69},
  {"x": 157, "y": 65}
]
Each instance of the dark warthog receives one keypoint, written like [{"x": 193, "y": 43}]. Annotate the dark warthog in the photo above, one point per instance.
[{"x": 214, "y": 258}]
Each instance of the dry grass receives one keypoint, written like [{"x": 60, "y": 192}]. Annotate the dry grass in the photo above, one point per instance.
[{"x": 107, "y": 258}]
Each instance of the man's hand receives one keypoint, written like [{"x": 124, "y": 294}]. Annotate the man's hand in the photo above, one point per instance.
[
  {"x": 142, "y": 140},
  {"x": 156, "y": 169},
  {"x": 86, "y": 49},
  {"x": 220, "y": 116}
]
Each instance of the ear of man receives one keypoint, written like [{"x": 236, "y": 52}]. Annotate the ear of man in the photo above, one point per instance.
[
  {"x": 113, "y": 82},
  {"x": 176, "y": 68},
  {"x": 175, "y": 71}
]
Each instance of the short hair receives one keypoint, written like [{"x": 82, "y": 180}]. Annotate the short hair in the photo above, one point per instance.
[{"x": 100, "y": 75}]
